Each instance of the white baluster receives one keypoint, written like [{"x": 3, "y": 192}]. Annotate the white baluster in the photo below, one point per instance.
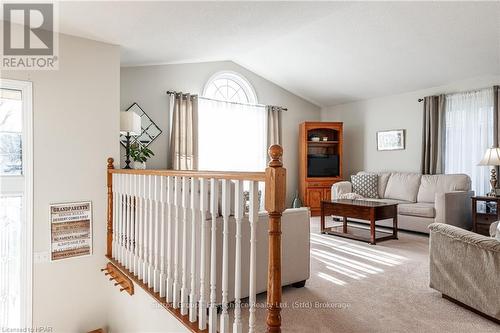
[
  {"x": 170, "y": 216},
  {"x": 140, "y": 233},
  {"x": 185, "y": 207},
  {"x": 122, "y": 219},
  {"x": 150, "y": 231},
  {"x": 129, "y": 221},
  {"x": 144, "y": 229},
  {"x": 226, "y": 211},
  {"x": 194, "y": 215},
  {"x": 117, "y": 199},
  {"x": 132, "y": 221},
  {"x": 156, "y": 240},
  {"x": 119, "y": 218},
  {"x": 126, "y": 217},
  {"x": 177, "y": 204},
  {"x": 163, "y": 192},
  {"x": 202, "y": 306},
  {"x": 115, "y": 215},
  {"x": 238, "y": 216},
  {"x": 253, "y": 216},
  {"x": 136, "y": 225},
  {"x": 212, "y": 312},
  {"x": 125, "y": 220}
]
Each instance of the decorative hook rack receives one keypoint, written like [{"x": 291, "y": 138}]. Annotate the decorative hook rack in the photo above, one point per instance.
[{"x": 121, "y": 279}]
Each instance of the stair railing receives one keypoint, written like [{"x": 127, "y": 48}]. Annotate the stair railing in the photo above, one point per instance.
[{"x": 162, "y": 232}]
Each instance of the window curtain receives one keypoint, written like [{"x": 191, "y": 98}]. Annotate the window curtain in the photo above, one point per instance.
[
  {"x": 274, "y": 131},
  {"x": 433, "y": 135},
  {"x": 496, "y": 120},
  {"x": 183, "y": 110},
  {"x": 469, "y": 133},
  {"x": 496, "y": 116},
  {"x": 232, "y": 136}
]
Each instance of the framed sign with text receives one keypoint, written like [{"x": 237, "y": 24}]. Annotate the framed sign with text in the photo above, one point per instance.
[{"x": 70, "y": 230}]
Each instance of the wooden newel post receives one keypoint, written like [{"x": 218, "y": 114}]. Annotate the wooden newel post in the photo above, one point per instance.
[
  {"x": 275, "y": 205},
  {"x": 109, "y": 243}
]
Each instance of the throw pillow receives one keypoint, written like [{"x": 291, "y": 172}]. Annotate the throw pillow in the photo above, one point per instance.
[{"x": 365, "y": 185}]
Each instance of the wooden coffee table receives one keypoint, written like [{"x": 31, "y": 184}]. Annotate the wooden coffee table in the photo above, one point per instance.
[{"x": 359, "y": 209}]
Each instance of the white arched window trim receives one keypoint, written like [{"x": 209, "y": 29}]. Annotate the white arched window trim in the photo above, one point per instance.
[{"x": 230, "y": 86}]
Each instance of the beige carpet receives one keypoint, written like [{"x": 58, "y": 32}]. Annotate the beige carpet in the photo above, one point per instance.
[{"x": 365, "y": 288}]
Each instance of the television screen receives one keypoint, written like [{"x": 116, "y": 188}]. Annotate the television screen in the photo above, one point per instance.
[{"x": 322, "y": 165}]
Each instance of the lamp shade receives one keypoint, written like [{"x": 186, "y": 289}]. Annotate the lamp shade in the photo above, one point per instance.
[
  {"x": 130, "y": 122},
  {"x": 491, "y": 157}
]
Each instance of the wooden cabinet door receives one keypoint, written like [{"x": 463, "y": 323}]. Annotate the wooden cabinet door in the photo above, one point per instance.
[
  {"x": 327, "y": 194},
  {"x": 314, "y": 197}
]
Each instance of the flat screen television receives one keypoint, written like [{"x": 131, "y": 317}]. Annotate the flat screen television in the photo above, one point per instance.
[{"x": 322, "y": 165}]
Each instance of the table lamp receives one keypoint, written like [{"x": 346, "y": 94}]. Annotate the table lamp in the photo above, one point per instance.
[
  {"x": 130, "y": 124},
  {"x": 492, "y": 158}
]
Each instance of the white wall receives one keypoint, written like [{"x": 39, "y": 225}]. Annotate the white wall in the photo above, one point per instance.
[
  {"x": 148, "y": 85},
  {"x": 76, "y": 125},
  {"x": 76, "y": 128},
  {"x": 363, "y": 119},
  {"x": 140, "y": 314}
]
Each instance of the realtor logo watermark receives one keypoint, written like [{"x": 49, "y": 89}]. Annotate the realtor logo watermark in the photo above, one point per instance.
[{"x": 29, "y": 41}]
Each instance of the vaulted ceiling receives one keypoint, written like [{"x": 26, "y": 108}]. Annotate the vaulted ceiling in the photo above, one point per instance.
[{"x": 326, "y": 52}]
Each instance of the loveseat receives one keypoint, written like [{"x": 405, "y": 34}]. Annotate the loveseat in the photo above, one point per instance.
[{"x": 421, "y": 199}]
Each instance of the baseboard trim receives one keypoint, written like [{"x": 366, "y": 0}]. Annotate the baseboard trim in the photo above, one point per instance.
[{"x": 482, "y": 314}]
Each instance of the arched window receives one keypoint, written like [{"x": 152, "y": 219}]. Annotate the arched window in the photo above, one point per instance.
[
  {"x": 231, "y": 126},
  {"x": 230, "y": 87}
]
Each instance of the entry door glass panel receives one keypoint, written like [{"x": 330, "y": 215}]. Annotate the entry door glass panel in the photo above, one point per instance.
[
  {"x": 13, "y": 250},
  {"x": 11, "y": 132},
  {"x": 10, "y": 261}
]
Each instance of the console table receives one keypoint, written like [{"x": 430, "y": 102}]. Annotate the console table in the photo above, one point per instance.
[{"x": 482, "y": 219}]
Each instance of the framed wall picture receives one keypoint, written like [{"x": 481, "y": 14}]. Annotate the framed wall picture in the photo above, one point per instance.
[
  {"x": 391, "y": 140},
  {"x": 70, "y": 230}
]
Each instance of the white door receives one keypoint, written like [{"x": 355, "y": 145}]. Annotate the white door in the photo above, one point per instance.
[{"x": 15, "y": 203}]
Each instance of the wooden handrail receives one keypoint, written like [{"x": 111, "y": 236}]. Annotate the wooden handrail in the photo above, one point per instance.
[
  {"x": 275, "y": 194},
  {"x": 230, "y": 175},
  {"x": 275, "y": 205}
]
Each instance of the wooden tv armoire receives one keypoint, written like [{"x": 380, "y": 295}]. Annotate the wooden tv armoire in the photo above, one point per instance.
[{"x": 320, "y": 154}]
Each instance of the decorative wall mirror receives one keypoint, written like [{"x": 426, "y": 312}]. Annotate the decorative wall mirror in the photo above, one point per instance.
[{"x": 149, "y": 130}]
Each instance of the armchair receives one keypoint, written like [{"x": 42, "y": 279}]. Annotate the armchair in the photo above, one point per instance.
[{"x": 465, "y": 268}]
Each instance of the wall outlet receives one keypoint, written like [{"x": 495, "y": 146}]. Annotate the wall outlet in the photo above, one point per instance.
[{"x": 41, "y": 257}]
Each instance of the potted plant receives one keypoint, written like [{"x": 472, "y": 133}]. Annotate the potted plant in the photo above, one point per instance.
[{"x": 140, "y": 155}]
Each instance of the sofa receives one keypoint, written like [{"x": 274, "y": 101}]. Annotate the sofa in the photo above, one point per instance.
[
  {"x": 421, "y": 199},
  {"x": 465, "y": 267}
]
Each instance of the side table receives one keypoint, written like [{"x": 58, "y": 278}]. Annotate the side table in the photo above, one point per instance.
[{"x": 482, "y": 218}]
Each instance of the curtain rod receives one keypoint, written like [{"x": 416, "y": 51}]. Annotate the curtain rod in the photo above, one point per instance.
[
  {"x": 467, "y": 91},
  {"x": 169, "y": 92}
]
